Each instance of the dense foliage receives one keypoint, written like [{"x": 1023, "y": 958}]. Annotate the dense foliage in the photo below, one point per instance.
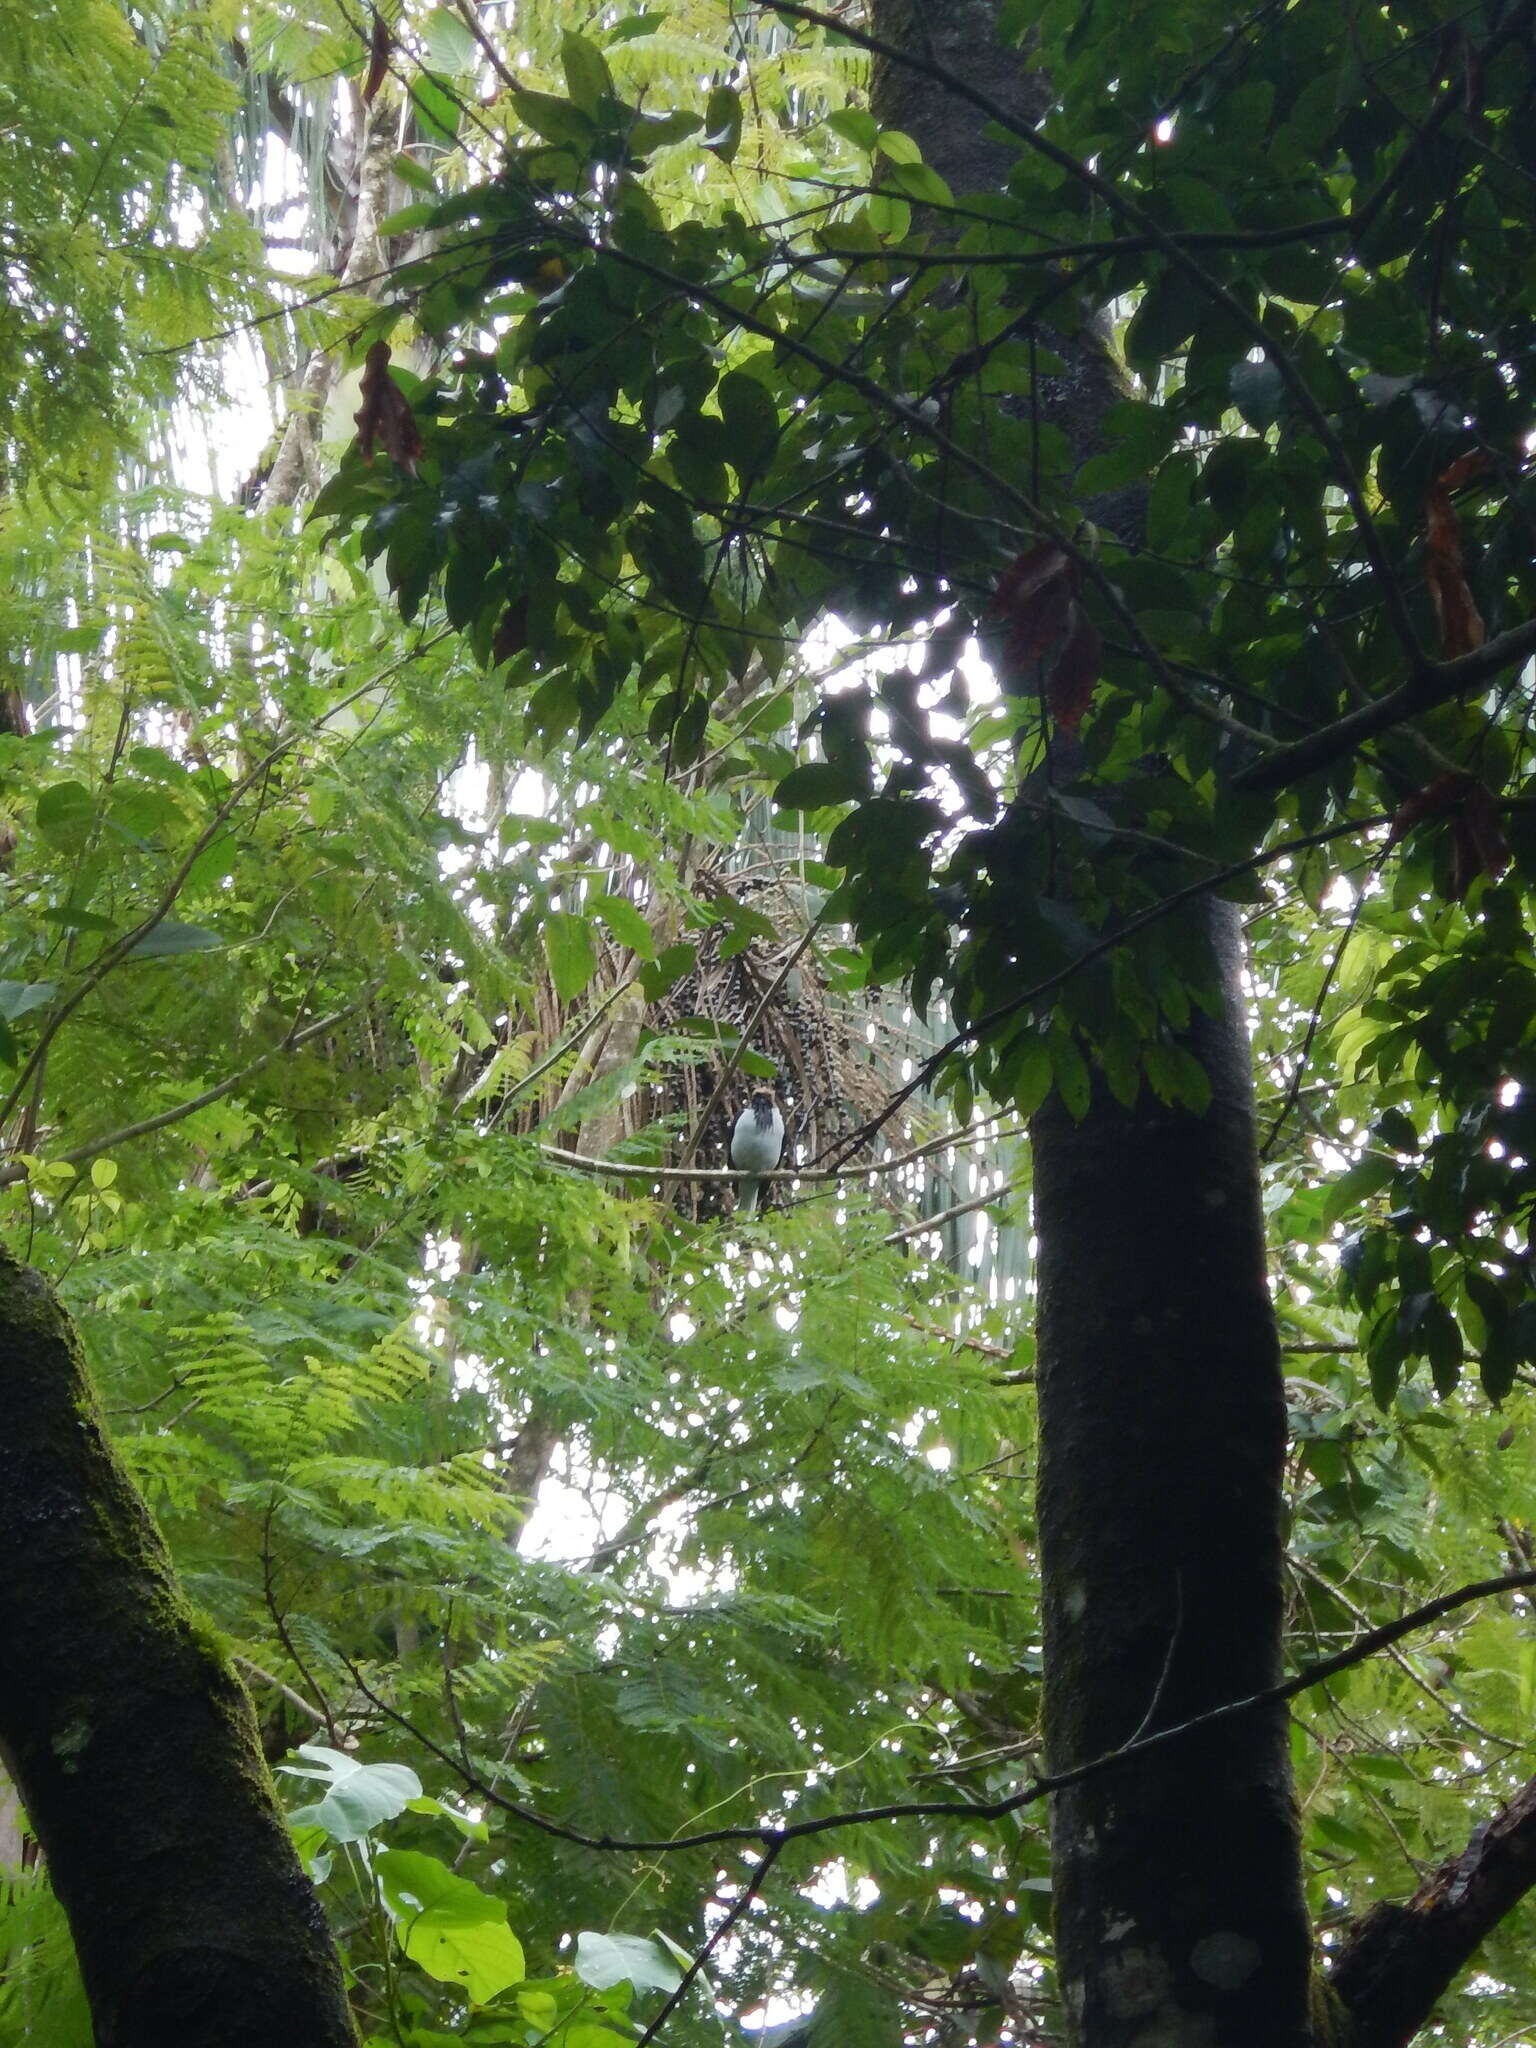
[{"x": 539, "y": 1508}]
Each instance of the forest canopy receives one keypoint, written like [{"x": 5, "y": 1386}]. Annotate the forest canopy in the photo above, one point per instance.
[{"x": 971, "y": 566}]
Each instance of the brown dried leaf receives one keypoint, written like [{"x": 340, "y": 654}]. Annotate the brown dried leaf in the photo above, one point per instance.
[
  {"x": 1481, "y": 847},
  {"x": 1069, "y": 684},
  {"x": 1437, "y": 796},
  {"x": 1478, "y": 845},
  {"x": 379, "y": 45},
  {"x": 1034, "y": 595},
  {"x": 1461, "y": 624},
  {"x": 385, "y": 415}
]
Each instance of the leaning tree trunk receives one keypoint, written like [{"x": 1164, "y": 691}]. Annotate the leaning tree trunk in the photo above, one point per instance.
[
  {"x": 132, "y": 1742},
  {"x": 1180, "y": 1918}
]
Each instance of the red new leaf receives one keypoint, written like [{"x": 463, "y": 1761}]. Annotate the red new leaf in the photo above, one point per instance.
[
  {"x": 1048, "y": 634},
  {"x": 1478, "y": 845},
  {"x": 385, "y": 415},
  {"x": 378, "y": 58},
  {"x": 1443, "y": 794},
  {"x": 1069, "y": 683},
  {"x": 1481, "y": 848},
  {"x": 1461, "y": 624}
]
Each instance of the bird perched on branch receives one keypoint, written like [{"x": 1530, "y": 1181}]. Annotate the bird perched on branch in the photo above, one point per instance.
[{"x": 757, "y": 1145}]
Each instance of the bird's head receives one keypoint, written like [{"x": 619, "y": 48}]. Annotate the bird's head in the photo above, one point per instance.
[{"x": 763, "y": 1104}]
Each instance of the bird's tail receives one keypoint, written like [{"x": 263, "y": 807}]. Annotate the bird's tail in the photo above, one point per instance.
[{"x": 750, "y": 1189}]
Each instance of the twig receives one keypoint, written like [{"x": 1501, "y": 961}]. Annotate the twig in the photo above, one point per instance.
[
  {"x": 1039, "y": 1786},
  {"x": 1153, "y": 914},
  {"x": 110, "y": 1140},
  {"x": 111, "y": 956},
  {"x": 748, "y": 1893}
]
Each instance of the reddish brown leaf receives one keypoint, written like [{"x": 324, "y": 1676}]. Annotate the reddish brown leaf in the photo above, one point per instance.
[
  {"x": 385, "y": 415},
  {"x": 1478, "y": 845},
  {"x": 1465, "y": 470},
  {"x": 1440, "y": 795},
  {"x": 1461, "y": 624},
  {"x": 1025, "y": 575},
  {"x": 1070, "y": 679},
  {"x": 1034, "y": 595},
  {"x": 379, "y": 44},
  {"x": 1484, "y": 835}
]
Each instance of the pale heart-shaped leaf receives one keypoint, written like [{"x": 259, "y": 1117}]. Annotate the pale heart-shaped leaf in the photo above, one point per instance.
[
  {"x": 603, "y": 1960},
  {"x": 360, "y": 1795}
]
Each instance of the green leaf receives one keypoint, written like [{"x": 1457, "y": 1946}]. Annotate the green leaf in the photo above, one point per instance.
[
  {"x": 437, "y": 108},
  {"x": 17, "y": 997},
  {"x": 670, "y": 966},
  {"x": 448, "y": 1926},
  {"x": 1069, "y": 1071},
  {"x": 360, "y": 1796},
  {"x": 1163, "y": 322},
  {"x": 555, "y": 119},
  {"x": 722, "y": 122},
  {"x": 603, "y": 1960},
  {"x": 898, "y": 147},
  {"x": 655, "y": 131},
  {"x": 855, "y": 126},
  {"x": 78, "y": 639},
  {"x": 751, "y": 421},
  {"x": 66, "y": 812},
  {"x": 627, "y": 924},
  {"x": 412, "y": 173},
  {"x": 451, "y": 48},
  {"x": 168, "y": 937},
  {"x": 816, "y": 784},
  {"x": 587, "y": 77},
  {"x": 419, "y": 214},
  {"x": 570, "y": 952},
  {"x": 1258, "y": 392}
]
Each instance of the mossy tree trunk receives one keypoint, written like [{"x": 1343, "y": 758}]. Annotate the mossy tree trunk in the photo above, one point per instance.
[{"x": 132, "y": 1741}]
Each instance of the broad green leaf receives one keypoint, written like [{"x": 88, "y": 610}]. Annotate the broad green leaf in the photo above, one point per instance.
[
  {"x": 66, "y": 813},
  {"x": 451, "y": 48},
  {"x": 587, "y": 77},
  {"x": 627, "y": 924},
  {"x": 18, "y": 997},
  {"x": 360, "y": 1795},
  {"x": 722, "y": 122},
  {"x": 572, "y": 956},
  {"x": 448, "y": 1926},
  {"x": 816, "y": 784},
  {"x": 603, "y": 1960},
  {"x": 169, "y": 937}
]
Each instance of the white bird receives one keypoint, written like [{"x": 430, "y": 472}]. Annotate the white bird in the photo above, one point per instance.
[{"x": 757, "y": 1145}]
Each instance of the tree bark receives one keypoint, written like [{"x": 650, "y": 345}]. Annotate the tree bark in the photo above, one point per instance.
[
  {"x": 1401, "y": 1958},
  {"x": 1179, "y": 1910},
  {"x": 1180, "y": 1917},
  {"x": 132, "y": 1741}
]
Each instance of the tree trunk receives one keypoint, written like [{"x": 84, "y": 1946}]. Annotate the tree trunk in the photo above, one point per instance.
[
  {"x": 132, "y": 1742},
  {"x": 1180, "y": 1916}
]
